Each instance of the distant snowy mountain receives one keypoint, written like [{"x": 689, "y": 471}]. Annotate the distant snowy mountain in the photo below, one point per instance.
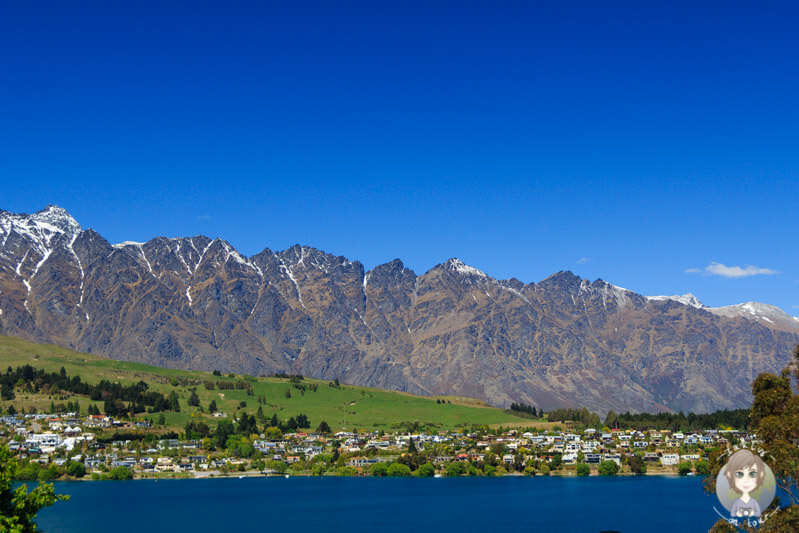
[{"x": 768, "y": 315}]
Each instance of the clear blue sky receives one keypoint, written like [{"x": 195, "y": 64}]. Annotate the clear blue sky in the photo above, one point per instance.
[{"x": 627, "y": 141}]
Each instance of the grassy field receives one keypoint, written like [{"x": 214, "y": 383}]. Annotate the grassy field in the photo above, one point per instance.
[{"x": 344, "y": 407}]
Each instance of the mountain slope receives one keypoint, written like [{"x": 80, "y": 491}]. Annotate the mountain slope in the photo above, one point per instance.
[{"x": 197, "y": 303}]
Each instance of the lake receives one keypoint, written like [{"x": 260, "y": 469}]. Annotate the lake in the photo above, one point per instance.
[{"x": 642, "y": 503}]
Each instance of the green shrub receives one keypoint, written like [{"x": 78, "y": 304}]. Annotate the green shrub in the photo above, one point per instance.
[
  {"x": 76, "y": 469},
  {"x": 455, "y": 469},
  {"x": 702, "y": 468},
  {"x": 583, "y": 469},
  {"x": 120, "y": 473},
  {"x": 379, "y": 469},
  {"x": 608, "y": 468},
  {"x": 398, "y": 470},
  {"x": 346, "y": 471},
  {"x": 426, "y": 470}
]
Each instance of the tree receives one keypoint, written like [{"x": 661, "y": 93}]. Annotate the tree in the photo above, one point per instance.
[
  {"x": 212, "y": 406},
  {"x": 7, "y": 391},
  {"x": 323, "y": 428},
  {"x": 76, "y": 469},
  {"x": 608, "y": 468},
  {"x": 18, "y": 508},
  {"x": 583, "y": 469},
  {"x": 411, "y": 447},
  {"x": 120, "y": 473},
  {"x": 426, "y": 470},
  {"x": 398, "y": 470},
  {"x": 637, "y": 465},
  {"x": 379, "y": 469},
  {"x": 455, "y": 469},
  {"x": 174, "y": 402},
  {"x": 612, "y": 419},
  {"x": 287, "y": 394},
  {"x": 194, "y": 400},
  {"x": 223, "y": 430}
]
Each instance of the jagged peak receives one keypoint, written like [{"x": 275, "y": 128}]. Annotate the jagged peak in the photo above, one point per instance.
[
  {"x": 561, "y": 278},
  {"x": 456, "y": 265},
  {"x": 41, "y": 227},
  {"x": 310, "y": 257},
  {"x": 394, "y": 269}
]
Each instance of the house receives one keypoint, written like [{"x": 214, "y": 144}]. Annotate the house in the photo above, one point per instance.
[{"x": 669, "y": 459}]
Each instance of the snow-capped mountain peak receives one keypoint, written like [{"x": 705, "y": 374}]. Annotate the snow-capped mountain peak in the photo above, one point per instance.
[
  {"x": 456, "y": 265},
  {"x": 685, "y": 299}
]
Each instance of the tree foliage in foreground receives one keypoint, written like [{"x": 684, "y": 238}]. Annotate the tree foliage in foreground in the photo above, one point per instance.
[
  {"x": 774, "y": 417},
  {"x": 18, "y": 508}
]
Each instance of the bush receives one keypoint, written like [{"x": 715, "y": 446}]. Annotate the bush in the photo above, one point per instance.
[
  {"x": 278, "y": 466},
  {"x": 426, "y": 470},
  {"x": 346, "y": 471},
  {"x": 455, "y": 469},
  {"x": 49, "y": 474},
  {"x": 398, "y": 470},
  {"x": 28, "y": 472},
  {"x": 702, "y": 468},
  {"x": 608, "y": 468},
  {"x": 685, "y": 468},
  {"x": 120, "y": 473},
  {"x": 544, "y": 470},
  {"x": 76, "y": 469},
  {"x": 637, "y": 465},
  {"x": 583, "y": 469},
  {"x": 379, "y": 469}
]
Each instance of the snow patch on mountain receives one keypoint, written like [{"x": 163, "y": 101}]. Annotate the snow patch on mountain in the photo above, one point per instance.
[
  {"x": 685, "y": 299},
  {"x": 761, "y": 312},
  {"x": 456, "y": 265}
]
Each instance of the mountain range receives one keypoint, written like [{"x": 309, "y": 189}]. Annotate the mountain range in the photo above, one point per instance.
[{"x": 195, "y": 302}]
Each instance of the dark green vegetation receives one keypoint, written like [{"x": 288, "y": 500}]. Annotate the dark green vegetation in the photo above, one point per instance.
[
  {"x": 725, "y": 419},
  {"x": 338, "y": 405},
  {"x": 18, "y": 508}
]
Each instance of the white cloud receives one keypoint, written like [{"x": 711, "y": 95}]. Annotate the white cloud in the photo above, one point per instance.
[
  {"x": 583, "y": 260},
  {"x": 720, "y": 269}
]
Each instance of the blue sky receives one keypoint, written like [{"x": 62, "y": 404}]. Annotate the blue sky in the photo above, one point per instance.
[{"x": 652, "y": 146}]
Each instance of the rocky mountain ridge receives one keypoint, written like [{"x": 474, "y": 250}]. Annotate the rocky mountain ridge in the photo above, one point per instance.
[{"x": 196, "y": 302}]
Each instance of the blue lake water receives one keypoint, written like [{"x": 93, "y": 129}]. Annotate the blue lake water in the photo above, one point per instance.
[{"x": 643, "y": 503}]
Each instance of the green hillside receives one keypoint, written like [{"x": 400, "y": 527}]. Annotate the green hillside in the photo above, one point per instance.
[{"x": 341, "y": 407}]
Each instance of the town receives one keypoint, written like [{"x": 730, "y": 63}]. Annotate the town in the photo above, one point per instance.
[{"x": 66, "y": 445}]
